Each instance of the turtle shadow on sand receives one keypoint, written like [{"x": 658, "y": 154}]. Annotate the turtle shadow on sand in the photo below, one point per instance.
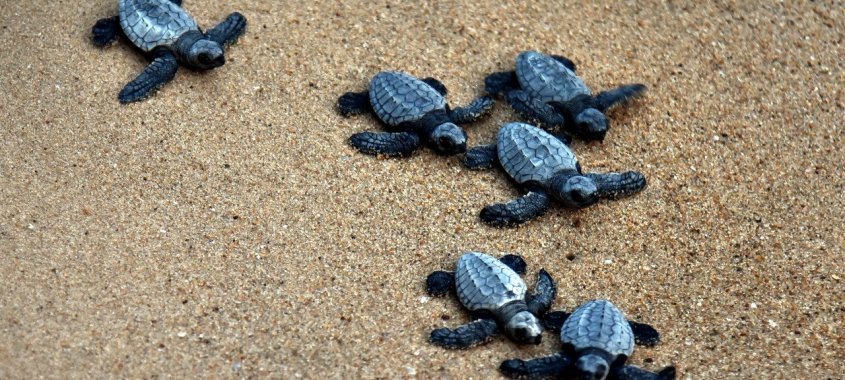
[{"x": 168, "y": 35}]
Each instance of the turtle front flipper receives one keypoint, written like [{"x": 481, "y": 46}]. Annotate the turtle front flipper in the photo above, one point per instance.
[
  {"x": 500, "y": 83},
  {"x": 644, "y": 334},
  {"x": 515, "y": 262},
  {"x": 630, "y": 372},
  {"x": 228, "y": 31},
  {"x": 607, "y": 99},
  {"x": 354, "y": 103},
  {"x": 616, "y": 185},
  {"x": 540, "y": 368},
  {"x": 160, "y": 71},
  {"x": 469, "y": 335},
  {"x": 436, "y": 85},
  {"x": 533, "y": 109},
  {"x": 105, "y": 31},
  {"x": 553, "y": 320},
  {"x": 481, "y": 157},
  {"x": 439, "y": 283},
  {"x": 516, "y": 212},
  {"x": 399, "y": 144},
  {"x": 544, "y": 294},
  {"x": 565, "y": 61},
  {"x": 473, "y": 111}
]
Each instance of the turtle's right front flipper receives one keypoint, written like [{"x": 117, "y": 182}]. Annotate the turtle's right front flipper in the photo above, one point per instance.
[
  {"x": 534, "y": 109},
  {"x": 500, "y": 83},
  {"x": 615, "y": 185},
  {"x": 466, "y": 336},
  {"x": 354, "y": 103},
  {"x": 105, "y": 31},
  {"x": 516, "y": 212},
  {"x": 399, "y": 144},
  {"x": 630, "y": 372},
  {"x": 160, "y": 71},
  {"x": 481, "y": 157},
  {"x": 545, "y": 367}
]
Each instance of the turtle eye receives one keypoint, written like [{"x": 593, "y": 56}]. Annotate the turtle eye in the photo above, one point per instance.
[
  {"x": 576, "y": 196},
  {"x": 204, "y": 58}
]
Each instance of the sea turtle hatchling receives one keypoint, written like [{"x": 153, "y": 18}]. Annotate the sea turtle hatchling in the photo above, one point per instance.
[
  {"x": 597, "y": 341},
  {"x": 169, "y": 36},
  {"x": 496, "y": 296},
  {"x": 544, "y": 166},
  {"x": 415, "y": 111},
  {"x": 546, "y": 89}
]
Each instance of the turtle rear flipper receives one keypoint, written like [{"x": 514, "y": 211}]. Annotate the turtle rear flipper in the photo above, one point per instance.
[
  {"x": 544, "y": 293},
  {"x": 644, "y": 334},
  {"x": 500, "y": 83},
  {"x": 105, "y": 31},
  {"x": 440, "y": 283},
  {"x": 354, "y": 103},
  {"x": 469, "y": 335},
  {"x": 630, "y": 372},
  {"x": 607, "y": 99},
  {"x": 553, "y": 321},
  {"x": 436, "y": 85},
  {"x": 228, "y": 31},
  {"x": 565, "y": 61},
  {"x": 546, "y": 367},
  {"x": 481, "y": 157},
  {"x": 516, "y": 212},
  {"x": 399, "y": 144},
  {"x": 534, "y": 109},
  {"x": 616, "y": 185},
  {"x": 473, "y": 111},
  {"x": 160, "y": 71}
]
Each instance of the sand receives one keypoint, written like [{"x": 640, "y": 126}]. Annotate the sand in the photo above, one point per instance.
[{"x": 223, "y": 228}]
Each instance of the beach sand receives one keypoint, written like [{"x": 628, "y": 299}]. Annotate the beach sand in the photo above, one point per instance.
[{"x": 224, "y": 228}]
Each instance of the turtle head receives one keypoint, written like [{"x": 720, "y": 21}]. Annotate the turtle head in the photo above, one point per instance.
[
  {"x": 591, "y": 124},
  {"x": 575, "y": 191},
  {"x": 524, "y": 328},
  {"x": 205, "y": 54},
  {"x": 448, "y": 138},
  {"x": 592, "y": 367}
]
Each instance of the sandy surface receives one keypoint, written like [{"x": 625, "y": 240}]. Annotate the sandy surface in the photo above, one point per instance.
[{"x": 223, "y": 228}]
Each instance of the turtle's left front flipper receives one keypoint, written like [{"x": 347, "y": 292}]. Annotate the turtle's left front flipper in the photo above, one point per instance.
[
  {"x": 105, "y": 31},
  {"x": 469, "y": 335},
  {"x": 630, "y": 372},
  {"x": 607, "y": 99},
  {"x": 481, "y": 157},
  {"x": 473, "y": 111},
  {"x": 615, "y": 185},
  {"x": 540, "y": 368},
  {"x": 228, "y": 31},
  {"x": 160, "y": 71},
  {"x": 399, "y": 144},
  {"x": 544, "y": 294}
]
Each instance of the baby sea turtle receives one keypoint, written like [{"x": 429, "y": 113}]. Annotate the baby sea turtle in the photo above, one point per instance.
[
  {"x": 497, "y": 298},
  {"x": 166, "y": 33},
  {"x": 597, "y": 340},
  {"x": 545, "y": 166},
  {"x": 546, "y": 89},
  {"x": 415, "y": 111}
]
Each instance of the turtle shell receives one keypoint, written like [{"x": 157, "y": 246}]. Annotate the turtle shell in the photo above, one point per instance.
[
  {"x": 598, "y": 324},
  {"x": 528, "y": 153},
  {"x": 153, "y": 23},
  {"x": 485, "y": 283},
  {"x": 546, "y": 79},
  {"x": 398, "y": 97}
]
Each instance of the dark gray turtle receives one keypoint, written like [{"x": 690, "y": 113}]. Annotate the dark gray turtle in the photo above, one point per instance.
[
  {"x": 496, "y": 296},
  {"x": 166, "y": 33},
  {"x": 597, "y": 341},
  {"x": 546, "y": 89},
  {"x": 415, "y": 111},
  {"x": 545, "y": 166}
]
